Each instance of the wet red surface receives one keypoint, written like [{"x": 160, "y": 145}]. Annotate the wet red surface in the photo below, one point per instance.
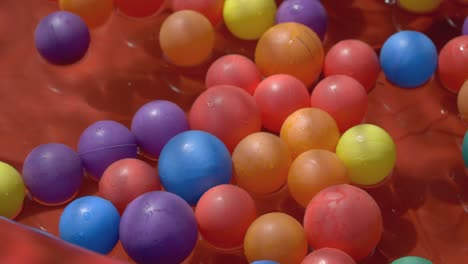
[{"x": 424, "y": 204}]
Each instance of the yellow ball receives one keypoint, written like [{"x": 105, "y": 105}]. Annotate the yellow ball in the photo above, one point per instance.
[
  {"x": 419, "y": 6},
  {"x": 11, "y": 191},
  {"x": 368, "y": 152},
  {"x": 249, "y": 19}
]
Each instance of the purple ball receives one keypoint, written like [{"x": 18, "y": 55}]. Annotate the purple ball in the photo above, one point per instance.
[
  {"x": 465, "y": 27},
  {"x": 158, "y": 227},
  {"x": 157, "y": 122},
  {"x": 308, "y": 12},
  {"x": 62, "y": 38},
  {"x": 104, "y": 143},
  {"x": 53, "y": 173}
]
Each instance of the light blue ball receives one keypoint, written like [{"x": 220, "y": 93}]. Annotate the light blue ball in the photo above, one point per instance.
[
  {"x": 408, "y": 59},
  {"x": 90, "y": 222},
  {"x": 411, "y": 260},
  {"x": 465, "y": 149},
  {"x": 193, "y": 162},
  {"x": 265, "y": 262}
]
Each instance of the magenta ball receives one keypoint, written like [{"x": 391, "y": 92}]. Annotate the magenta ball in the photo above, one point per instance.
[
  {"x": 53, "y": 173},
  {"x": 158, "y": 227},
  {"x": 155, "y": 123},
  {"x": 104, "y": 143}
]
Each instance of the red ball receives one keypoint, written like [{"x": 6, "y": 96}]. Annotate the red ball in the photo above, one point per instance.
[
  {"x": 453, "y": 63},
  {"x": 328, "y": 256},
  {"x": 354, "y": 58},
  {"x": 236, "y": 70},
  {"x": 278, "y": 96},
  {"x": 125, "y": 180},
  {"x": 139, "y": 8},
  {"x": 343, "y": 98},
  {"x": 228, "y": 112},
  {"x": 346, "y": 218},
  {"x": 212, "y": 9}
]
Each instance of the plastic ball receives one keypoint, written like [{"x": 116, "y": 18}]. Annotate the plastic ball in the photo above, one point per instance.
[
  {"x": 269, "y": 171},
  {"x": 265, "y": 262},
  {"x": 310, "y": 13},
  {"x": 194, "y": 42},
  {"x": 139, "y": 8},
  {"x": 62, "y": 38},
  {"x": 158, "y": 227},
  {"x": 193, "y": 162},
  {"x": 296, "y": 49},
  {"x": 329, "y": 221},
  {"x": 411, "y": 260},
  {"x": 235, "y": 70},
  {"x": 90, "y": 222},
  {"x": 12, "y": 191},
  {"x": 309, "y": 128},
  {"x": 155, "y": 123},
  {"x": 247, "y": 19},
  {"x": 53, "y": 173},
  {"x": 353, "y": 58},
  {"x": 278, "y": 96},
  {"x": 408, "y": 58},
  {"x": 228, "y": 112},
  {"x": 94, "y": 12},
  {"x": 212, "y": 9},
  {"x": 368, "y": 153},
  {"x": 277, "y": 237},
  {"x": 125, "y": 180},
  {"x": 328, "y": 256},
  {"x": 419, "y": 6},
  {"x": 453, "y": 63},
  {"x": 104, "y": 143},
  {"x": 462, "y": 101},
  {"x": 313, "y": 171},
  {"x": 224, "y": 213},
  {"x": 465, "y": 27},
  {"x": 344, "y": 98},
  {"x": 465, "y": 149}
]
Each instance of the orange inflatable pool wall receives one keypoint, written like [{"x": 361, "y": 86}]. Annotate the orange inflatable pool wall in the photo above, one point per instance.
[{"x": 424, "y": 204}]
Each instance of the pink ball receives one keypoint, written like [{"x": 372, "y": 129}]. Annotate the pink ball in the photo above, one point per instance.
[{"x": 328, "y": 256}]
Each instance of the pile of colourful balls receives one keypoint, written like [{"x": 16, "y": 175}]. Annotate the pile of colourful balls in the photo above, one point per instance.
[{"x": 263, "y": 125}]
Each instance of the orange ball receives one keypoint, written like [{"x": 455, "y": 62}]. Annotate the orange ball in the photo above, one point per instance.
[
  {"x": 224, "y": 213},
  {"x": 290, "y": 48},
  {"x": 310, "y": 128},
  {"x": 313, "y": 171},
  {"x": 261, "y": 163},
  {"x": 462, "y": 101},
  {"x": 212, "y": 9},
  {"x": 276, "y": 237},
  {"x": 94, "y": 12},
  {"x": 187, "y": 38}
]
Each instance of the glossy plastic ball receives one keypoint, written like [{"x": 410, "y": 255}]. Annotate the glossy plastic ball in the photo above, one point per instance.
[
  {"x": 62, "y": 38},
  {"x": 90, "y": 222},
  {"x": 465, "y": 27},
  {"x": 193, "y": 162},
  {"x": 194, "y": 42},
  {"x": 368, "y": 152},
  {"x": 278, "y": 96},
  {"x": 224, "y": 213},
  {"x": 228, "y": 112},
  {"x": 310, "y": 13},
  {"x": 236, "y": 70},
  {"x": 103, "y": 143},
  {"x": 12, "y": 191},
  {"x": 125, "y": 180},
  {"x": 408, "y": 58},
  {"x": 355, "y": 59},
  {"x": 465, "y": 149},
  {"x": 212, "y": 9},
  {"x": 411, "y": 260},
  {"x": 462, "y": 101},
  {"x": 265, "y": 262},
  {"x": 313, "y": 171},
  {"x": 158, "y": 227},
  {"x": 309, "y": 128},
  {"x": 419, "y": 6},
  {"x": 155, "y": 123},
  {"x": 344, "y": 98},
  {"x": 328, "y": 256},
  {"x": 94, "y": 12},
  {"x": 139, "y": 8},
  {"x": 277, "y": 237},
  {"x": 346, "y": 218},
  {"x": 296, "y": 49},
  {"x": 247, "y": 19},
  {"x": 53, "y": 173},
  {"x": 453, "y": 63}
]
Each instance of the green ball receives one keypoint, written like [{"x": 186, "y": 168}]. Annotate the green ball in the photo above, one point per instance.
[{"x": 411, "y": 260}]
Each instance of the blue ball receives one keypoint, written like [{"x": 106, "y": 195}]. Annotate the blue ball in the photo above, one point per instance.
[
  {"x": 192, "y": 162},
  {"x": 265, "y": 262},
  {"x": 90, "y": 222},
  {"x": 465, "y": 149},
  {"x": 408, "y": 59}
]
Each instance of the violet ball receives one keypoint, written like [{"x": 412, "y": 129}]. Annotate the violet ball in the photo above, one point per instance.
[{"x": 465, "y": 27}]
